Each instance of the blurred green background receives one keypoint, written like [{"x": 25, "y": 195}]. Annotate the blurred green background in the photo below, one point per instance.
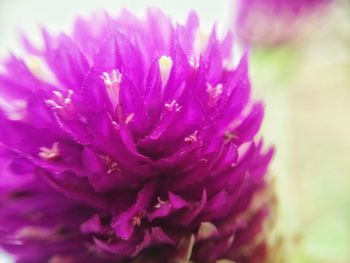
[{"x": 306, "y": 88}]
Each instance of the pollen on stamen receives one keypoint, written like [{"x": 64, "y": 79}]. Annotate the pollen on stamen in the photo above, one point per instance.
[
  {"x": 112, "y": 82},
  {"x": 165, "y": 65},
  {"x": 160, "y": 203},
  {"x": 60, "y": 101},
  {"x": 173, "y": 105},
  {"x": 229, "y": 136},
  {"x": 191, "y": 138},
  {"x": 115, "y": 125},
  {"x": 137, "y": 219},
  {"x": 67, "y": 100},
  {"x": 214, "y": 93},
  {"x": 129, "y": 118},
  {"x": 111, "y": 165},
  {"x": 50, "y": 153}
]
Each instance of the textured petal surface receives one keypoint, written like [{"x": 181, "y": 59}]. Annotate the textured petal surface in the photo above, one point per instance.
[{"x": 135, "y": 144}]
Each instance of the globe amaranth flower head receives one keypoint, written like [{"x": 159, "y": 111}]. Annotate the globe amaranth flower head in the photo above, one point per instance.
[
  {"x": 274, "y": 22},
  {"x": 131, "y": 140}
]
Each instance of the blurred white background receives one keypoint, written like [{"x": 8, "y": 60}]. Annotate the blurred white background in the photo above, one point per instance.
[{"x": 28, "y": 15}]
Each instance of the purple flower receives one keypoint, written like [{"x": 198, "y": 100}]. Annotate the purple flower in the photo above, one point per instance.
[
  {"x": 131, "y": 141},
  {"x": 273, "y": 22}
]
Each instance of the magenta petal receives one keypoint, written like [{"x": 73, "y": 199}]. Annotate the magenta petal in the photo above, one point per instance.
[
  {"x": 162, "y": 211},
  {"x": 177, "y": 202},
  {"x": 213, "y": 59},
  {"x": 119, "y": 53},
  {"x": 194, "y": 211},
  {"x": 218, "y": 206},
  {"x": 250, "y": 126},
  {"x": 159, "y": 236},
  {"x": 67, "y": 62},
  {"x": 124, "y": 225},
  {"x": 92, "y": 225}
]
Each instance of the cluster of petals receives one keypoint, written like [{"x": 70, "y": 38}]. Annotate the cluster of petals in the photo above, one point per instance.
[{"x": 131, "y": 140}]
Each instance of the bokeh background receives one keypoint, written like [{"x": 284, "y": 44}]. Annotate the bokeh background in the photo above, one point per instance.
[{"x": 305, "y": 84}]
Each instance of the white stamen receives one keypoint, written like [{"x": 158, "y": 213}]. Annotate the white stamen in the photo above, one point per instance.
[
  {"x": 49, "y": 153},
  {"x": 16, "y": 110},
  {"x": 53, "y": 104},
  {"x": 165, "y": 65},
  {"x": 214, "y": 93},
  {"x": 58, "y": 95},
  {"x": 129, "y": 118},
  {"x": 229, "y": 136},
  {"x": 112, "y": 83},
  {"x": 111, "y": 165},
  {"x": 160, "y": 203},
  {"x": 137, "y": 219},
  {"x": 191, "y": 138},
  {"x": 173, "y": 105},
  {"x": 67, "y": 100},
  {"x": 60, "y": 101},
  {"x": 116, "y": 125}
]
